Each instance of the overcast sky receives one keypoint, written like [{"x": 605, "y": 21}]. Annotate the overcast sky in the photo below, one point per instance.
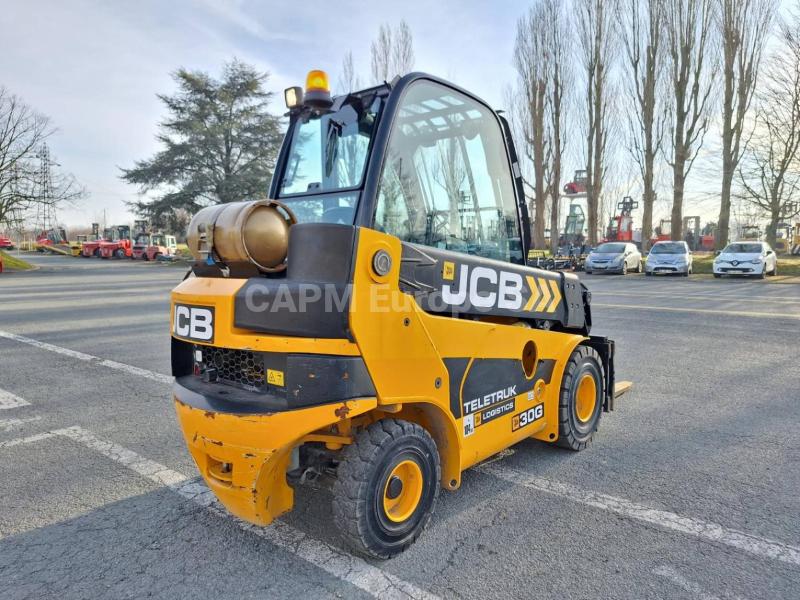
[{"x": 95, "y": 67}]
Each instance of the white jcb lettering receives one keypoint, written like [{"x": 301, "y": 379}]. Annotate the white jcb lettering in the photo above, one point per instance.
[
  {"x": 182, "y": 318},
  {"x": 458, "y": 297},
  {"x": 486, "y": 288},
  {"x": 201, "y": 324},
  {"x": 510, "y": 292},
  {"x": 194, "y": 322},
  {"x": 476, "y": 299}
]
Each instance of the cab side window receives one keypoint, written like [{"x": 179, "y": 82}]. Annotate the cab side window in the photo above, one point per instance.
[{"x": 446, "y": 181}]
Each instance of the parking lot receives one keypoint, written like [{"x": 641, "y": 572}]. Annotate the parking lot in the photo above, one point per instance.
[{"x": 689, "y": 491}]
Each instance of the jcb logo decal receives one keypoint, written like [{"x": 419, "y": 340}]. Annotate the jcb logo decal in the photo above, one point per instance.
[
  {"x": 501, "y": 289},
  {"x": 194, "y": 322},
  {"x": 448, "y": 271}
]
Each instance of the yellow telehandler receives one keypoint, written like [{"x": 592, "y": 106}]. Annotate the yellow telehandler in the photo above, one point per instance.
[{"x": 374, "y": 319}]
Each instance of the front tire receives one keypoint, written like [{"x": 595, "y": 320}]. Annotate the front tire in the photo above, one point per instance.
[
  {"x": 119, "y": 253},
  {"x": 581, "y": 399},
  {"x": 386, "y": 488}
]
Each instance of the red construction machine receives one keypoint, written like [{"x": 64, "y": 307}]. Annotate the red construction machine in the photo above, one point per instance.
[
  {"x": 663, "y": 233},
  {"x": 578, "y": 184},
  {"x": 141, "y": 240},
  {"x": 120, "y": 246},
  {"x": 161, "y": 245},
  {"x": 91, "y": 247},
  {"x": 140, "y": 245},
  {"x": 620, "y": 227}
]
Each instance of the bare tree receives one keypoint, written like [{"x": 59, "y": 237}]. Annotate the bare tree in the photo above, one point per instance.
[
  {"x": 349, "y": 81},
  {"x": 22, "y": 132},
  {"x": 557, "y": 40},
  {"x": 769, "y": 172},
  {"x": 531, "y": 60},
  {"x": 392, "y": 52},
  {"x": 690, "y": 37},
  {"x": 596, "y": 25},
  {"x": 642, "y": 24},
  {"x": 744, "y": 26}
]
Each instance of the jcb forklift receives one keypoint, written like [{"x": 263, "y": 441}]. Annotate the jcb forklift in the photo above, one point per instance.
[{"x": 374, "y": 319}]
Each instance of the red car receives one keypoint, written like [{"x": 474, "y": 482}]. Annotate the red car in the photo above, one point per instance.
[{"x": 6, "y": 243}]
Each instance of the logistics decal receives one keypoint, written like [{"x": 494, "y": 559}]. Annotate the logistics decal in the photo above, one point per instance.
[
  {"x": 526, "y": 417},
  {"x": 487, "y": 408}
]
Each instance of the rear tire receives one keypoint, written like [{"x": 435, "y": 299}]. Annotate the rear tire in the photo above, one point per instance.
[
  {"x": 119, "y": 253},
  {"x": 581, "y": 399},
  {"x": 386, "y": 488}
]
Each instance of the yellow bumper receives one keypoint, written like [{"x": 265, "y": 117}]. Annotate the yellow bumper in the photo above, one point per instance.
[{"x": 244, "y": 458}]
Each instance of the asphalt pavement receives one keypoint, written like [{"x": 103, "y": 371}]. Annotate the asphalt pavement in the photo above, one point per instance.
[{"x": 690, "y": 489}]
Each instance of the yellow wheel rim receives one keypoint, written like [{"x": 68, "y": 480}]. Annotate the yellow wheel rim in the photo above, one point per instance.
[
  {"x": 585, "y": 398},
  {"x": 402, "y": 491}
]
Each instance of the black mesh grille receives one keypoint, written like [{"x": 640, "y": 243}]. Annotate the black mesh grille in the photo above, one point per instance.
[{"x": 242, "y": 368}]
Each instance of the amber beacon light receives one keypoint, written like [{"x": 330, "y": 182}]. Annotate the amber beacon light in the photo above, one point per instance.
[{"x": 318, "y": 90}]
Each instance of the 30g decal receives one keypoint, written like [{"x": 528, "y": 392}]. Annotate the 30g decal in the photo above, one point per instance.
[{"x": 525, "y": 418}]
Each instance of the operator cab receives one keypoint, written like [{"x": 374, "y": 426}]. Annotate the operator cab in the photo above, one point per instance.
[{"x": 439, "y": 175}]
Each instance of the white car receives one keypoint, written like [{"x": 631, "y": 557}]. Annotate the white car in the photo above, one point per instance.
[
  {"x": 614, "y": 257},
  {"x": 669, "y": 257},
  {"x": 746, "y": 258}
]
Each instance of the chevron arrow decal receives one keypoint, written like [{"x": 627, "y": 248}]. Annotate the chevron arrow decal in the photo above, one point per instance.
[{"x": 556, "y": 296}]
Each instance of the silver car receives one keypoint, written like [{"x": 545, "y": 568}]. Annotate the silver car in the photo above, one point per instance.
[
  {"x": 614, "y": 257},
  {"x": 669, "y": 257}
]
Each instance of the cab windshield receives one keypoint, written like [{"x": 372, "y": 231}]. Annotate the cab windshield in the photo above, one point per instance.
[
  {"x": 610, "y": 249},
  {"x": 668, "y": 249},
  {"x": 742, "y": 249},
  {"x": 327, "y": 157}
]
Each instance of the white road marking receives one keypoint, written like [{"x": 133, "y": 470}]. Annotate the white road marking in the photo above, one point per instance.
[
  {"x": 731, "y": 298},
  {"x": 111, "y": 364},
  {"x": 7, "y": 425},
  {"x": 9, "y": 400},
  {"x": 27, "y": 440},
  {"x": 758, "y": 546},
  {"x": 324, "y": 556},
  {"x": 687, "y": 585},
  {"x": 710, "y": 311}
]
